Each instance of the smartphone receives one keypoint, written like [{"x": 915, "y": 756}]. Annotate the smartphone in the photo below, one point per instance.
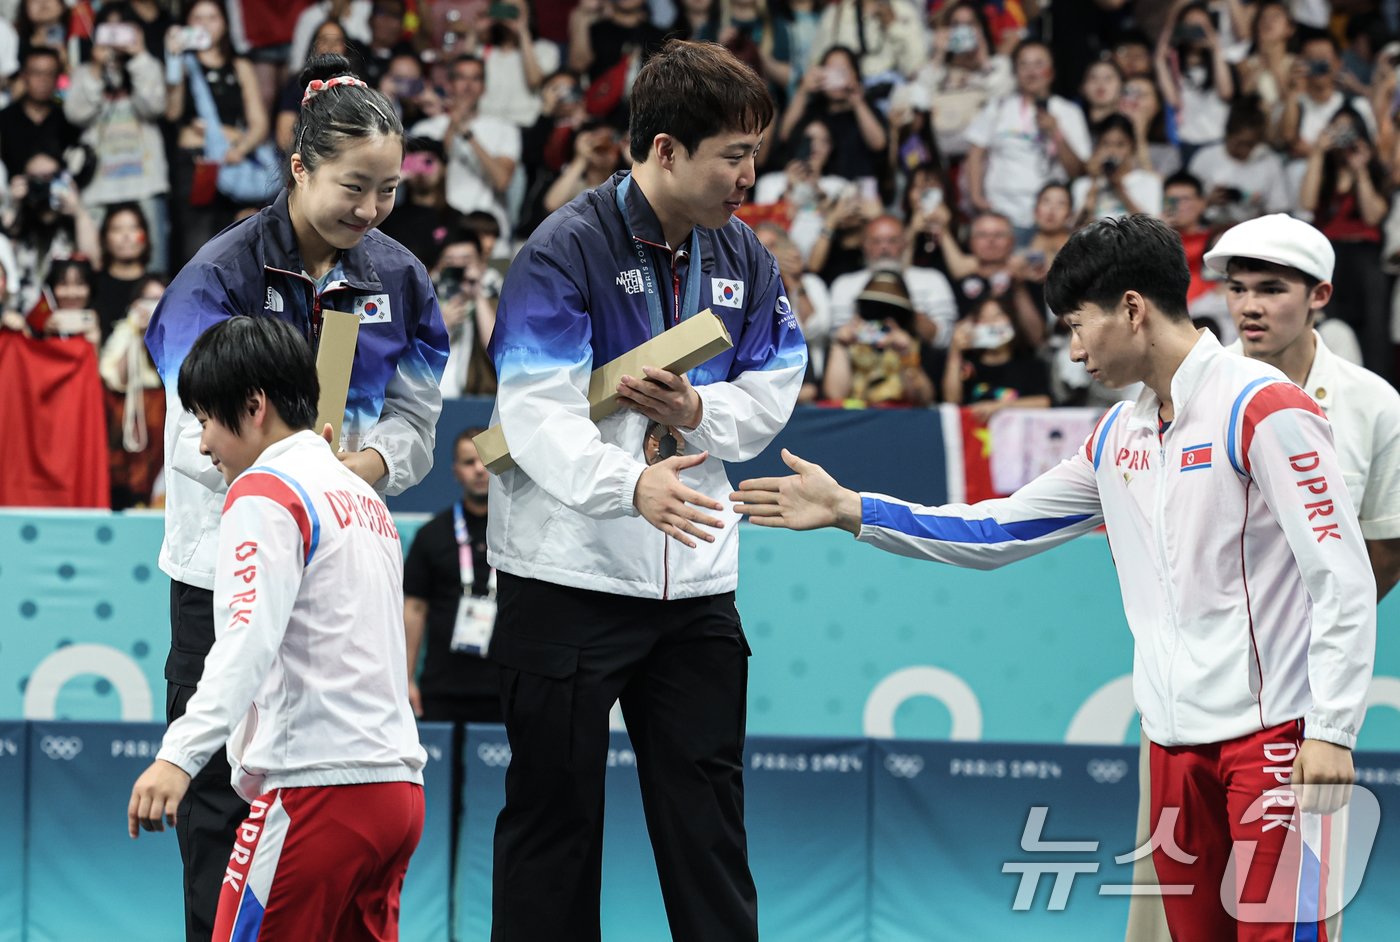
[
  {"x": 409, "y": 88},
  {"x": 868, "y": 188},
  {"x": 72, "y": 321},
  {"x": 503, "y": 11},
  {"x": 195, "y": 38},
  {"x": 449, "y": 282},
  {"x": 116, "y": 35},
  {"x": 1035, "y": 259},
  {"x": 930, "y": 199}
]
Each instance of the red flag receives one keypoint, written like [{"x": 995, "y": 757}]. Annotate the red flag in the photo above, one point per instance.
[{"x": 39, "y": 314}]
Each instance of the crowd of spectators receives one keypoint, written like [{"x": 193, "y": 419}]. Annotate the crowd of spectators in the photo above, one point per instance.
[{"x": 926, "y": 162}]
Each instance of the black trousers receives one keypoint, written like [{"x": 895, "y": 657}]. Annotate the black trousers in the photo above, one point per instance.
[
  {"x": 680, "y": 669},
  {"x": 211, "y": 810}
]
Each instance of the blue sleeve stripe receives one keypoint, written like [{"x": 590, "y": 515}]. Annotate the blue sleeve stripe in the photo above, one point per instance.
[
  {"x": 1103, "y": 432},
  {"x": 901, "y": 518},
  {"x": 1232, "y": 436},
  {"x": 306, "y": 501}
]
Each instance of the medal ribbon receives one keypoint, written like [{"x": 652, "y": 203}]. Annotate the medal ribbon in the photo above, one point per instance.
[{"x": 691, "y": 304}]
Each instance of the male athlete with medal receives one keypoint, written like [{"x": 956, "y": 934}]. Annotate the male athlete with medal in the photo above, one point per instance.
[{"x": 617, "y": 557}]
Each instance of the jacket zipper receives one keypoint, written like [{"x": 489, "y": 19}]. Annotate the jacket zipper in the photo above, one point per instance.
[
  {"x": 1159, "y": 526},
  {"x": 666, "y": 547}
]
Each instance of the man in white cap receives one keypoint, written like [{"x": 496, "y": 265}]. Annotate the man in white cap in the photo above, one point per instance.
[
  {"x": 1279, "y": 272},
  {"x": 1280, "y": 275}
]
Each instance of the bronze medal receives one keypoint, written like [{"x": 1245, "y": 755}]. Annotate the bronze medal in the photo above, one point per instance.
[{"x": 662, "y": 442}]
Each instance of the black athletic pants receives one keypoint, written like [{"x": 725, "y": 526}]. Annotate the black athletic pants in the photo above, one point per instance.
[
  {"x": 211, "y": 810},
  {"x": 680, "y": 669}
]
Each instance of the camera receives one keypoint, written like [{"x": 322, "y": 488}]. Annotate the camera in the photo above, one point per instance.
[
  {"x": 871, "y": 333},
  {"x": 1345, "y": 138},
  {"x": 1232, "y": 194},
  {"x": 1318, "y": 68},
  {"x": 1110, "y": 167},
  {"x": 449, "y": 282},
  {"x": 1188, "y": 34}
]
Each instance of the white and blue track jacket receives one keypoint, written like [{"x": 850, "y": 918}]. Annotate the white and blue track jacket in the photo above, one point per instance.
[
  {"x": 305, "y": 682},
  {"x": 1244, "y": 574},
  {"x": 576, "y": 297}
]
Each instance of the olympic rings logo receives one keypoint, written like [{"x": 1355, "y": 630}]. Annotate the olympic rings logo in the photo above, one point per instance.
[
  {"x": 61, "y": 747},
  {"x": 904, "y": 766},
  {"x": 494, "y": 754},
  {"x": 1107, "y": 771}
]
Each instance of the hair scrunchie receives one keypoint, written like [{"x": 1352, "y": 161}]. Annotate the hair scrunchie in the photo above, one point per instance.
[{"x": 317, "y": 86}]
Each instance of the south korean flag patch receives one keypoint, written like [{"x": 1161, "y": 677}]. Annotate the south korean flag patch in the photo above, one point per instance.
[
  {"x": 727, "y": 293},
  {"x": 373, "y": 309}
]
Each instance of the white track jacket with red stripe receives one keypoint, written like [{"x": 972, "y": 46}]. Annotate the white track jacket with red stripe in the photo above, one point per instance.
[
  {"x": 306, "y": 680},
  {"x": 1244, "y": 575}
]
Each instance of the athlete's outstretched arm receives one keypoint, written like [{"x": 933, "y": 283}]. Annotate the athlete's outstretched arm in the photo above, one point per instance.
[{"x": 808, "y": 500}]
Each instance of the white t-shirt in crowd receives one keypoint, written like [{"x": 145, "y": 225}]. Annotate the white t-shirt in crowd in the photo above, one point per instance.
[
  {"x": 1201, "y": 117},
  {"x": 1019, "y": 158},
  {"x": 508, "y": 95},
  {"x": 1260, "y": 179},
  {"x": 1313, "y": 117},
  {"x": 468, "y": 189},
  {"x": 1144, "y": 188}
]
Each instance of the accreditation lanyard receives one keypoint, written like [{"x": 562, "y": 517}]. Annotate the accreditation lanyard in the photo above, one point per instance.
[
  {"x": 691, "y": 303},
  {"x": 464, "y": 549}
]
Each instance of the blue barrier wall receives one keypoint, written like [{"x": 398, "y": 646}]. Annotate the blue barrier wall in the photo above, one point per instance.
[
  {"x": 847, "y": 641},
  {"x": 850, "y": 840},
  {"x": 849, "y": 443}
]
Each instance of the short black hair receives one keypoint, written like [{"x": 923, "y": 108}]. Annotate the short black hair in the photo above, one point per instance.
[
  {"x": 1182, "y": 178},
  {"x": 1259, "y": 265},
  {"x": 1107, "y": 258},
  {"x": 1246, "y": 114},
  {"x": 1114, "y": 122},
  {"x": 245, "y": 355},
  {"x": 693, "y": 91}
]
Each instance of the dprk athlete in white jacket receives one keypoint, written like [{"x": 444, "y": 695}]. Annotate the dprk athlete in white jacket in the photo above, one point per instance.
[
  {"x": 305, "y": 684},
  {"x": 1244, "y": 575}
]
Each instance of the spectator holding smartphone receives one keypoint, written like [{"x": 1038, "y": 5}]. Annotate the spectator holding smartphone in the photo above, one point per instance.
[
  {"x": 118, "y": 98},
  {"x": 34, "y": 122},
  {"x": 204, "y": 43},
  {"x": 834, "y": 93},
  {"x": 45, "y": 220},
  {"x": 875, "y": 357},
  {"x": 1114, "y": 185},
  {"x": 597, "y": 156},
  {"x": 1344, "y": 188},
  {"x": 468, "y": 313},
  {"x": 1243, "y": 177},
  {"x": 1194, "y": 77},
  {"x": 516, "y": 63},
  {"x": 1023, "y": 141},
  {"x": 992, "y": 365},
  {"x": 962, "y": 74},
  {"x": 1267, "y": 72},
  {"x": 1142, "y": 103},
  {"x": 423, "y": 221},
  {"x": 70, "y": 283},
  {"x": 135, "y": 402},
  {"x": 1313, "y": 97}
]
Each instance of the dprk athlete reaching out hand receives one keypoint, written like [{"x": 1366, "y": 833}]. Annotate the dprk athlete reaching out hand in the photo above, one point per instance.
[{"x": 1244, "y": 573}]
